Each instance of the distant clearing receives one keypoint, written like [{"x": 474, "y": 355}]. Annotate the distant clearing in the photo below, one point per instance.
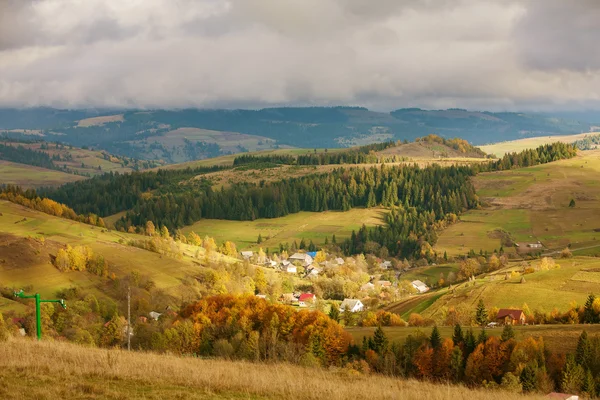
[
  {"x": 532, "y": 204},
  {"x": 307, "y": 225},
  {"x": 501, "y": 148},
  {"x": 28, "y": 176},
  {"x": 96, "y": 121}
]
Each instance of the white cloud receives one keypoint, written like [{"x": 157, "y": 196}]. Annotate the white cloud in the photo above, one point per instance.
[{"x": 251, "y": 53}]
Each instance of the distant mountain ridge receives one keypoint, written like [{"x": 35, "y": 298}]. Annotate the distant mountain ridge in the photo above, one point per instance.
[{"x": 190, "y": 134}]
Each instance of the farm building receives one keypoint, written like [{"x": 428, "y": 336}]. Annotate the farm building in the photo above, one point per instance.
[
  {"x": 339, "y": 261},
  {"x": 306, "y": 299},
  {"x": 537, "y": 245},
  {"x": 385, "y": 265},
  {"x": 367, "y": 286},
  {"x": 302, "y": 258},
  {"x": 291, "y": 269},
  {"x": 420, "y": 286},
  {"x": 384, "y": 283},
  {"x": 510, "y": 317},
  {"x": 352, "y": 305},
  {"x": 247, "y": 254}
]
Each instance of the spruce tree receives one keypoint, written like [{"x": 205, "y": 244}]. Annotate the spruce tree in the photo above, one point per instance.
[
  {"x": 458, "y": 337},
  {"x": 589, "y": 384},
  {"x": 589, "y": 315},
  {"x": 507, "y": 333},
  {"x": 334, "y": 313},
  {"x": 259, "y": 240},
  {"x": 482, "y": 338},
  {"x": 435, "y": 339},
  {"x": 481, "y": 314},
  {"x": 583, "y": 351},
  {"x": 527, "y": 378},
  {"x": 470, "y": 343},
  {"x": 380, "y": 341}
]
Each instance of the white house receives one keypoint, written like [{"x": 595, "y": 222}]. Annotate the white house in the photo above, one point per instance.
[
  {"x": 291, "y": 269},
  {"x": 261, "y": 296},
  {"x": 385, "y": 264},
  {"x": 367, "y": 286},
  {"x": 272, "y": 264},
  {"x": 339, "y": 261},
  {"x": 154, "y": 315},
  {"x": 247, "y": 254},
  {"x": 420, "y": 286},
  {"x": 314, "y": 271},
  {"x": 352, "y": 305},
  {"x": 303, "y": 258}
]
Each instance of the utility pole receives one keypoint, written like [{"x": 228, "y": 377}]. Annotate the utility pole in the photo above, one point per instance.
[
  {"x": 128, "y": 318},
  {"x": 38, "y": 311}
]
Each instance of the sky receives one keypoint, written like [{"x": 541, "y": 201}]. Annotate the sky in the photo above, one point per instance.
[{"x": 529, "y": 55}]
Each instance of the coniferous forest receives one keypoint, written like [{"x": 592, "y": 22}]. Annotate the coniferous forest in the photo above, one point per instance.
[{"x": 422, "y": 198}]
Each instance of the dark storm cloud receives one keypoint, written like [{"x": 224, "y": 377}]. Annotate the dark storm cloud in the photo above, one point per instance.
[{"x": 485, "y": 54}]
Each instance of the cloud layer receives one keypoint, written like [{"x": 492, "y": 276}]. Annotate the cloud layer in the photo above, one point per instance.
[{"x": 385, "y": 54}]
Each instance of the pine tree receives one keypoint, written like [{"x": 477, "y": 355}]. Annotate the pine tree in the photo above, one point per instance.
[
  {"x": 470, "y": 343},
  {"x": 260, "y": 239},
  {"x": 527, "y": 378},
  {"x": 481, "y": 314},
  {"x": 482, "y": 338},
  {"x": 572, "y": 377},
  {"x": 583, "y": 351},
  {"x": 334, "y": 313},
  {"x": 589, "y": 384},
  {"x": 435, "y": 339},
  {"x": 380, "y": 341},
  {"x": 456, "y": 364},
  {"x": 458, "y": 337},
  {"x": 589, "y": 315},
  {"x": 507, "y": 333}
]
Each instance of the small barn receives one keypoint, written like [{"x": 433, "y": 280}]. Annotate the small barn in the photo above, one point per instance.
[
  {"x": 508, "y": 316},
  {"x": 352, "y": 305}
]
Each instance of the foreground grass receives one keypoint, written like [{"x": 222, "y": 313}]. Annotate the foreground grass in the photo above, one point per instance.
[{"x": 52, "y": 370}]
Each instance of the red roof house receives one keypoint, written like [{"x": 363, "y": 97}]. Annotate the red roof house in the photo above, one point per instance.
[
  {"x": 507, "y": 316},
  {"x": 305, "y": 299}
]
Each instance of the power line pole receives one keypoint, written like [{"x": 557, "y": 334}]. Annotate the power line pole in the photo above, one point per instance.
[{"x": 128, "y": 318}]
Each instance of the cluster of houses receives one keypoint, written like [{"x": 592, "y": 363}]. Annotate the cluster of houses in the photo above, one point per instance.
[{"x": 291, "y": 264}]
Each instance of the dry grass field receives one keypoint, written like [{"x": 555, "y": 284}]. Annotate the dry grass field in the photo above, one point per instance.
[
  {"x": 95, "y": 121},
  {"x": 532, "y": 204},
  {"x": 501, "y": 148},
  {"x": 29, "y": 239},
  {"x": 28, "y": 176},
  {"x": 303, "y": 225},
  {"x": 53, "y": 370}
]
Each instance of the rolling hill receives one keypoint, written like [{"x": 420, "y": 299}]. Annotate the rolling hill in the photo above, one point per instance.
[{"x": 191, "y": 134}]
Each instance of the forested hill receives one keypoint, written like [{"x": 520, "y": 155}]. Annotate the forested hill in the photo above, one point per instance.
[
  {"x": 182, "y": 135},
  {"x": 422, "y": 198}
]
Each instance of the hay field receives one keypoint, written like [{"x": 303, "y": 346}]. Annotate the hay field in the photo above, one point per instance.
[
  {"x": 53, "y": 370},
  {"x": 28, "y": 176},
  {"x": 308, "y": 225},
  {"x": 501, "y": 148}
]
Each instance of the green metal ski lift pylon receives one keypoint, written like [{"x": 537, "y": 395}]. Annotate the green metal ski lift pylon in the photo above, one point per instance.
[{"x": 38, "y": 301}]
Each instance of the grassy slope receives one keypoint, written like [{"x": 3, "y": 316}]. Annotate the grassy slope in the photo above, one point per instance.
[
  {"x": 543, "y": 290},
  {"x": 532, "y": 204},
  {"x": 501, "y": 148},
  {"x": 15, "y": 271},
  {"x": 308, "y": 225},
  {"x": 50, "y": 370},
  {"x": 28, "y": 176}
]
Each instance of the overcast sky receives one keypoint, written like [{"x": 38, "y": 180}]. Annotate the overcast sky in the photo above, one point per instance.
[{"x": 383, "y": 54}]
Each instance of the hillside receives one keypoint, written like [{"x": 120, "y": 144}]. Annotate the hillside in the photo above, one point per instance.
[
  {"x": 28, "y": 176},
  {"x": 501, "y": 148},
  {"x": 29, "y": 241},
  {"x": 51, "y": 370},
  {"x": 183, "y": 135},
  {"x": 532, "y": 204}
]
